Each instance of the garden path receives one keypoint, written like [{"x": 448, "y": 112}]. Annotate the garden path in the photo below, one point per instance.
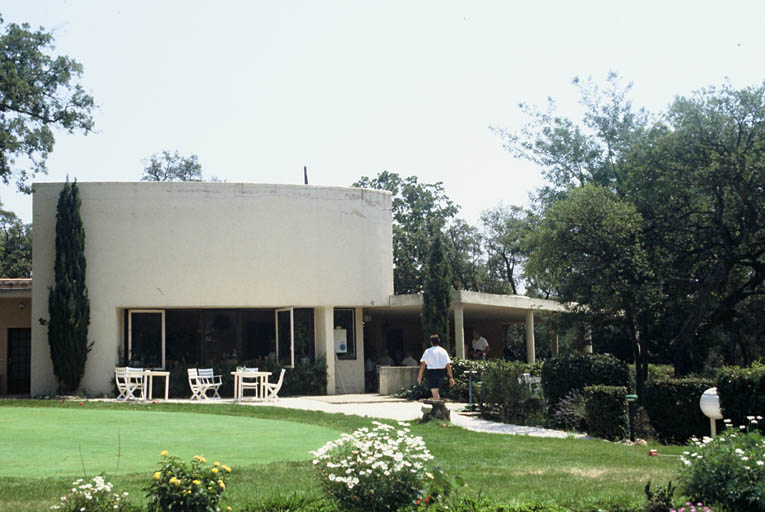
[{"x": 387, "y": 407}]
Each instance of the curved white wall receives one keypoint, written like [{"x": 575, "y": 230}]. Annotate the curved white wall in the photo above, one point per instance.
[{"x": 168, "y": 245}]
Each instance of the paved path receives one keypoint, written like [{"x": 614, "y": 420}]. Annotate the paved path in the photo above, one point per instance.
[{"x": 386, "y": 407}]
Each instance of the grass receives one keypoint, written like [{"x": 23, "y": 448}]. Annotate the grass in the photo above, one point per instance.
[
  {"x": 511, "y": 469},
  {"x": 93, "y": 441}
]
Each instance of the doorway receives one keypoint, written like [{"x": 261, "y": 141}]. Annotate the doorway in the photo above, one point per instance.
[{"x": 19, "y": 361}]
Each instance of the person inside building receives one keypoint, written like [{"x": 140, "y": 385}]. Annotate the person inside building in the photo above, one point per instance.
[
  {"x": 480, "y": 346},
  {"x": 409, "y": 360},
  {"x": 436, "y": 360}
]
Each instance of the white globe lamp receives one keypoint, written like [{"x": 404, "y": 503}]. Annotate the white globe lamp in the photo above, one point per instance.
[{"x": 710, "y": 406}]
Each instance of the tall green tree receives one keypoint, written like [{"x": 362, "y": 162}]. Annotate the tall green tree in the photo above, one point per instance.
[
  {"x": 15, "y": 246},
  {"x": 38, "y": 92},
  {"x": 505, "y": 229},
  {"x": 416, "y": 206},
  {"x": 68, "y": 303},
  {"x": 437, "y": 292},
  {"x": 172, "y": 167},
  {"x": 690, "y": 184}
]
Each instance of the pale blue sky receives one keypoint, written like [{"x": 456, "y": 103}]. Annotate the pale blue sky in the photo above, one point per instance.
[{"x": 259, "y": 89}]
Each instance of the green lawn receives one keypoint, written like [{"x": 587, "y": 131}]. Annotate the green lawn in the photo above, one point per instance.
[
  {"x": 508, "y": 469},
  {"x": 66, "y": 441}
]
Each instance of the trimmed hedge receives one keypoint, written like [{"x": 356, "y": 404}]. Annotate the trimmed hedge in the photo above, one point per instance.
[
  {"x": 742, "y": 393},
  {"x": 505, "y": 395},
  {"x": 605, "y": 412},
  {"x": 562, "y": 374},
  {"x": 673, "y": 407}
]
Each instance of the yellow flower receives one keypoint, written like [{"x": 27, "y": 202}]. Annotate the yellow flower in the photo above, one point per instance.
[
  {"x": 222, "y": 485},
  {"x": 197, "y": 457},
  {"x": 202, "y": 459},
  {"x": 214, "y": 470},
  {"x": 228, "y": 469},
  {"x": 216, "y": 463},
  {"x": 175, "y": 481},
  {"x": 196, "y": 482},
  {"x": 163, "y": 453},
  {"x": 157, "y": 475},
  {"x": 229, "y": 509}
]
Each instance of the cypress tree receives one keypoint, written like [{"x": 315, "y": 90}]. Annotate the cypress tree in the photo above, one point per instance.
[
  {"x": 437, "y": 291},
  {"x": 68, "y": 303}
]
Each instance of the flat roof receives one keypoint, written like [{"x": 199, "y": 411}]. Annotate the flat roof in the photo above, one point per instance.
[
  {"x": 489, "y": 306},
  {"x": 16, "y": 288}
]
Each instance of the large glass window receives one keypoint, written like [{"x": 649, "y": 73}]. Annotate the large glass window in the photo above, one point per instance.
[
  {"x": 204, "y": 337},
  {"x": 344, "y": 319},
  {"x": 146, "y": 338}
]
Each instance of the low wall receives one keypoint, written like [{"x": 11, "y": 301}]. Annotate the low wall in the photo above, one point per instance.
[{"x": 395, "y": 378}]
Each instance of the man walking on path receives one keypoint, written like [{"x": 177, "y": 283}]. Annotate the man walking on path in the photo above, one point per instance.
[{"x": 438, "y": 364}]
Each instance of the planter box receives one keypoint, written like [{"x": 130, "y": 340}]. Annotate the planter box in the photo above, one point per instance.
[{"x": 395, "y": 378}]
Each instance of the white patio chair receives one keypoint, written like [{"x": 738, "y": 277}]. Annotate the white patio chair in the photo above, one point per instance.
[
  {"x": 272, "y": 390},
  {"x": 214, "y": 381},
  {"x": 129, "y": 381},
  {"x": 200, "y": 383},
  {"x": 248, "y": 382}
]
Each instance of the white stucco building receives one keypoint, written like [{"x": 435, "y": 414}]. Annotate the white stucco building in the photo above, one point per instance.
[{"x": 189, "y": 274}]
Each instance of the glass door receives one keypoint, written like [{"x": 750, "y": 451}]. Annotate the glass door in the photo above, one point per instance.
[
  {"x": 285, "y": 336},
  {"x": 146, "y": 338}
]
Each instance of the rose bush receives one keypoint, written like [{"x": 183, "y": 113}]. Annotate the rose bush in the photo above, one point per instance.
[
  {"x": 378, "y": 469},
  {"x": 182, "y": 487},
  {"x": 727, "y": 470},
  {"x": 95, "y": 496}
]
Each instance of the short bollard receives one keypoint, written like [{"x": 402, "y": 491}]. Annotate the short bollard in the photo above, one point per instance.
[
  {"x": 631, "y": 401},
  {"x": 470, "y": 407}
]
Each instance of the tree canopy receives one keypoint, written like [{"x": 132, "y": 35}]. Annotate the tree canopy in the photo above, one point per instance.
[
  {"x": 172, "y": 167},
  {"x": 15, "y": 246},
  {"x": 38, "y": 92},
  {"x": 417, "y": 208},
  {"x": 653, "y": 222}
]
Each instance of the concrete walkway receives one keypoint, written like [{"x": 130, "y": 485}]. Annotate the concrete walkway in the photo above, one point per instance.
[{"x": 387, "y": 407}]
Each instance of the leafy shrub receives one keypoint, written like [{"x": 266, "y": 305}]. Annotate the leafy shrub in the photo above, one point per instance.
[
  {"x": 382, "y": 469},
  {"x": 505, "y": 395},
  {"x": 727, "y": 470},
  {"x": 306, "y": 378},
  {"x": 562, "y": 374},
  {"x": 570, "y": 412},
  {"x": 93, "y": 497},
  {"x": 606, "y": 411},
  {"x": 742, "y": 393},
  {"x": 461, "y": 390},
  {"x": 178, "y": 486},
  {"x": 658, "y": 499},
  {"x": 673, "y": 407}
]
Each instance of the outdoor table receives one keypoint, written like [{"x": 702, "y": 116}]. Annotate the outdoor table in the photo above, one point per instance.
[
  {"x": 148, "y": 377},
  {"x": 262, "y": 380}
]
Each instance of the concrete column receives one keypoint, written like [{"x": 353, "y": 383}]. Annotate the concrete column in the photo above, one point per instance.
[
  {"x": 555, "y": 348},
  {"x": 459, "y": 330},
  {"x": 324, "y": 317},
  {"x": 530, "y": 347}
]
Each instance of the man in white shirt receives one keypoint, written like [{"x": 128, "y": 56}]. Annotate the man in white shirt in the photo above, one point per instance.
[
  {"x": 480, "y": 345},
  {"x": 438, "y": 364}
]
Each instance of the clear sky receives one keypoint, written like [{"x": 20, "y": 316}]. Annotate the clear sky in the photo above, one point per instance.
[{"x": 257, "y": 89}]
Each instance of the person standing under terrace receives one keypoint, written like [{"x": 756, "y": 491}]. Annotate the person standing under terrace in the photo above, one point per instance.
[
  {"x": 480, "y": 345},
  {"x": 436, "y": 360}
]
